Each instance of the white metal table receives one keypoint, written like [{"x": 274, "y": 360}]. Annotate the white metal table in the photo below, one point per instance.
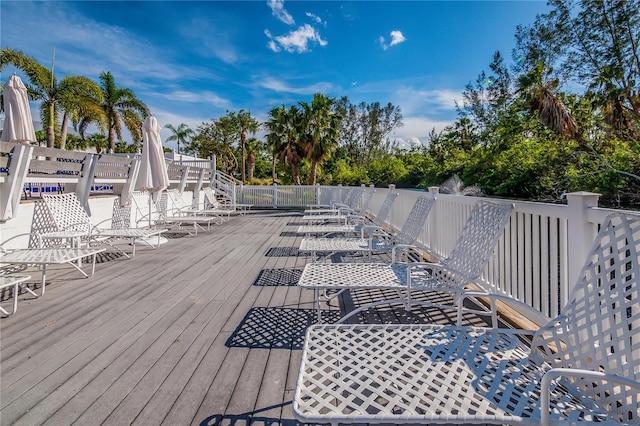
[{"x": 15, "y": 281}]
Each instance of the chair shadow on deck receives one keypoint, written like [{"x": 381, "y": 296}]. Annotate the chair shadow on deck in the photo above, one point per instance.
[
  {"x": 278, "y": 277},
  {"x": 395, "y": 314},
  {"x": 285, "y": 252},
  {"x": 275, "y": 328},
  {"x": 250, "y": 418},
  {"x": 291, "y": 234}
]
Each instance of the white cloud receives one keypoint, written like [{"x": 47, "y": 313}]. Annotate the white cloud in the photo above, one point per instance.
[
  {"x": 296, "y": 41},
  {"x": 396, "y": 38},
  {"x": 280, "y": 86},
  {"x": 200, "y": 97},
  {"x": 277, "y": 10},
  {"x": 316, "y": 18},
  {"x": 416, "y": 130},
  {"x": 415, "y": 100}
]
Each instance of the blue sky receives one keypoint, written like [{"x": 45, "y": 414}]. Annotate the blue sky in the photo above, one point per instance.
[{"x": 193, "y": 61}]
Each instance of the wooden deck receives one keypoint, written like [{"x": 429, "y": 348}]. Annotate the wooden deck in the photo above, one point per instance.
[{"x": 206, "y": 330}]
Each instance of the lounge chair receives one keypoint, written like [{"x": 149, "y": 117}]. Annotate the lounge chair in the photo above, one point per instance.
[
  {"x": 378, "y": 239},
  {"x": 582, "y": 367},
  {"x": 18, "y": 259},
  {"x": 337, "y": 207},
  {"x": 461, "y": 268},
  {"x": 181, "y": 208},
  {"x": 164, "y": 216},
  {"x": 73, "y": 224},
  {"x": 338, "y": 212},
  {"x": 211, "y": 202},
  {"x": 355, "y": 223},
  {"x": 13, "y": 282}
]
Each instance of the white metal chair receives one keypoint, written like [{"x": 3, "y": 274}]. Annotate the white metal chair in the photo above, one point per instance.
[
  {"x": 181, "y": 208},
  {"x": 338, "y": 211},
  {"x": 164, "y": 215},
  {"x": 582, "y": 367},
  {"x": 211, "y": 202},
  {"x": 74, "y": 224},
  {"x": 355, "y": 223},
  {"x": 462, "y": 267},
  {"x": 378, "y": 239}
]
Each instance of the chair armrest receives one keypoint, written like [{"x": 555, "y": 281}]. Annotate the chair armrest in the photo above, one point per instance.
[
  {"x": 5, "y": 250},
  {"x": 545, "y": 403},
  {"x": 493, "y": 298},
  {"x": 399, "y": 248}
]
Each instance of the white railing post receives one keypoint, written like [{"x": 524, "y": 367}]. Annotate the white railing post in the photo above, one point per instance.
[
  {"x": 275, "y": 195},
  {"x": 581, "y": 232},
  {"x": 317, "y": 193}
]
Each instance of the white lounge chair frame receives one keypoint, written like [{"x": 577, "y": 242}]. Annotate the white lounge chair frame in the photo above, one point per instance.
[
  {"x": 354, "y": 223},
  {"x": 181, "y": 208},
  {"x": 13, "y": 282},
  {"x": 378, "y": 239},
  {"x": 581, "y": 367},
  {"x": 462, "y": 267},
  {"x": 74, "y": 224}
]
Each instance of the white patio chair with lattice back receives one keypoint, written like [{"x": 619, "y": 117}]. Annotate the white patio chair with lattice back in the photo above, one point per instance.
[
  {"x": 180, "y": 207},
  {"x": 355, "y": 223},
  {"x": 211, "y": 202},
  {"x": 582, "y": 367},
  {"x": 378, "y": 239},
  {"x": 338, "y": 210},
  {"x": 460, "y": 269},
  {"x": 73, "y": 225}
]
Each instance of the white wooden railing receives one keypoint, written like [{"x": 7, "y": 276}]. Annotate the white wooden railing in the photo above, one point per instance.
[{"x": 536, "y": 261}]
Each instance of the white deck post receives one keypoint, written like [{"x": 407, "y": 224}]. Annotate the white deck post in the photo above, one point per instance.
[
  {"x": 275, "y": 195},
  {"x": 581, "y": 232},
  {"x": 317, "y": 193},
  {"x": 127, "y": 189}
]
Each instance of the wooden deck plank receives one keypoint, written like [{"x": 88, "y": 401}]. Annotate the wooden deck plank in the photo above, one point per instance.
[{"x": 180, "y": 335}]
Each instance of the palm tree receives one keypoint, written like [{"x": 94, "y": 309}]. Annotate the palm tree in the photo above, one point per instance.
[
  {"x": 77, "y": 95},
  {"x": 284, "y": 125},
  {"x": 120, "y": 106},
  {"x": 244, "y": 123},
  {"x": 538, "y": 90},
  {"x": 69, "y": 94},
  {"x": 320, "y": 127},
  {"x": 254, "y": 147},
  {"x": 181, "y": 134}
]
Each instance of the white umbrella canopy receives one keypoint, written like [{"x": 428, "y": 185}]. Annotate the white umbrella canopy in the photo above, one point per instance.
[
  {"x": 153, "y": 169},
  {"x": 18, "y": 124}
]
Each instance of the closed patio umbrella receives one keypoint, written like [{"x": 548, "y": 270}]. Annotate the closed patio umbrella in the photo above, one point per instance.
[
  {"x": 153, "y": 175},
  {"x": 18, "y": 124}
]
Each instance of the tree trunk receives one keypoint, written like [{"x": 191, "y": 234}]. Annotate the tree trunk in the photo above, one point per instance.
[
  {"x": 51, "y": 134},
  {"x": 313, "y": 173},
  {"x": 294, "y": 173},
  {"x": 273, "y": 168},
  {"x": 51, "y": 137},
  {"x": 243, "y": 140},
  {"x": 251, "y": 165},
  {"x": 63, "y": 131},
  {"x": 112, "y": 140}
]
